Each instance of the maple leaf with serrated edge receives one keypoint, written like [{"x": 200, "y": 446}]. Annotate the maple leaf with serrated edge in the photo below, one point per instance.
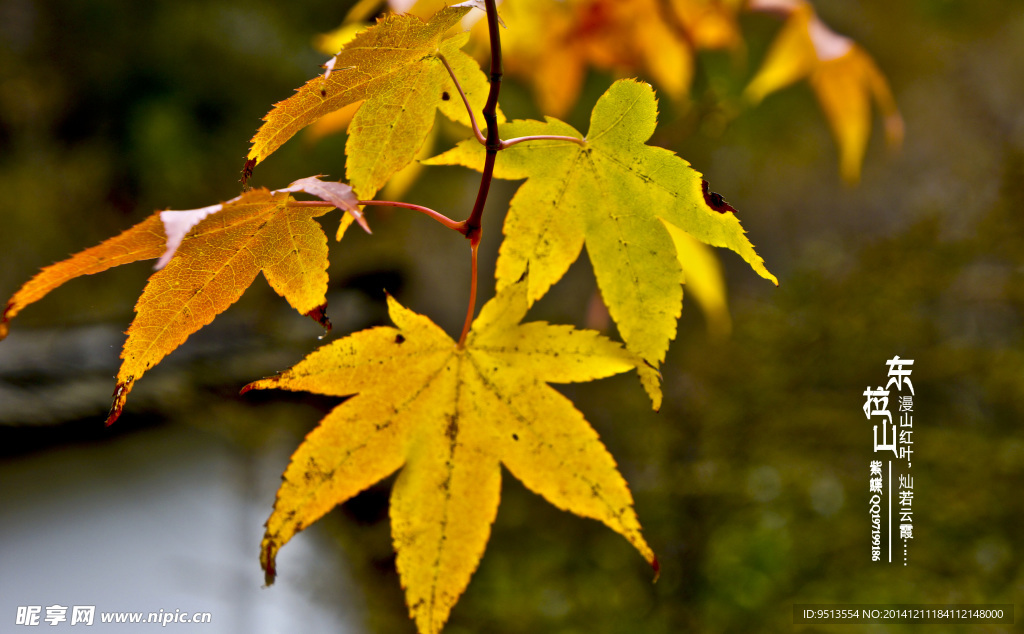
[
  {"x": 217, "y": 260},
  {"x": 145, "y": 241},
  {"x": 208, "y": 257},
  {"x": 394, "y": 68},
  {"x": 616, "y": 195},
  {"x": 449, "y": 416}
]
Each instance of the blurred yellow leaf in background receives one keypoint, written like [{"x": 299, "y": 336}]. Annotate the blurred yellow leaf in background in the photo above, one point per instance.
[{"x": 842, "y": 74}]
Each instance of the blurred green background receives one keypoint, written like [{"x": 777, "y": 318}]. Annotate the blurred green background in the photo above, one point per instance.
[{"x": 751, "y": 483}]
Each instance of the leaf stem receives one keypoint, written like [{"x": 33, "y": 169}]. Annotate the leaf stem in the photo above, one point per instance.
[
  {"x": 542, "y": 137},
  {"x": 310, "y": 203},
  {"x": 454, "y": 225},
  {"x": 436, "y": 215},
  {"x": 474, "y": 245},
  {"x": 472, "y": 119}
]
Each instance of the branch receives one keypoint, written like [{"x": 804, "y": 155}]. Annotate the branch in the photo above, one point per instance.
[
  {"x": 472, "y": 119},
  {"x": 492, "y": 145},
  {"x": 493, "y": 142}
]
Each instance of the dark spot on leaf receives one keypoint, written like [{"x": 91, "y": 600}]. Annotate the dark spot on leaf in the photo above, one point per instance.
[
  {"x": 399, "y": 339},
  {"x": 445, "y": 96},
  {"x": 247, "y": 388},
  {"x": 269, "y": 567},
  {"x": 315, "y": 474},
  {"x": 319, "y": 315},
  {"x": 120, "y": 394},
  {"x": 453, "y": 430},
  {"x": 247, "y": 170},
  {"x": 714, "y": 199},
  {"x": 323, "y": 92},
  {"x": 515, "y": 436}
]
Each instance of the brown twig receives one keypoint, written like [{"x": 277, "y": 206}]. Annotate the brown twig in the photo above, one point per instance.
[{"x": 492, "y": 145}]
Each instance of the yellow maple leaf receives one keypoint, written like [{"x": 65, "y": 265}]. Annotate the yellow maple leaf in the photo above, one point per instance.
[
  {"x": 615, "y": 194},
  {"x": 331, "y": 43},
  {"x": 842, "y": 74},
  {"x": 449, "y": 416},
  {"x": 394, "y": 68}
]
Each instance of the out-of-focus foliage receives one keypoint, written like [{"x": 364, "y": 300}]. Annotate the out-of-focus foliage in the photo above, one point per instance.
[
  {"x": 551, "y": 44},
  {"x": 843, "y": 75}
]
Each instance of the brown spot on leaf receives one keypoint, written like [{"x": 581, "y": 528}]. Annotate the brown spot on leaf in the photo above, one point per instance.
[
  {"x": 399, "y": 339},
  {"x": 715, "y": 200},
  {"x": 319, "y": 315},
  {"x": 267, "y": 560},
  {"x": 120, "y": 395},
  {"x": 247, "y": 170},
  {"x": 4, "y": 320},
  {"x": 445, "y": 96}
]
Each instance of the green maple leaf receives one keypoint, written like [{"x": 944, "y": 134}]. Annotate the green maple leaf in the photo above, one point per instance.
[{"x": 615, "y": 194}]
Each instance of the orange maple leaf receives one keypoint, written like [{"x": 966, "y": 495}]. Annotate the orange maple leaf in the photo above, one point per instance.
[
  {"x": 144, "y": 241},
  {"x": 208, "y": 257}
]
